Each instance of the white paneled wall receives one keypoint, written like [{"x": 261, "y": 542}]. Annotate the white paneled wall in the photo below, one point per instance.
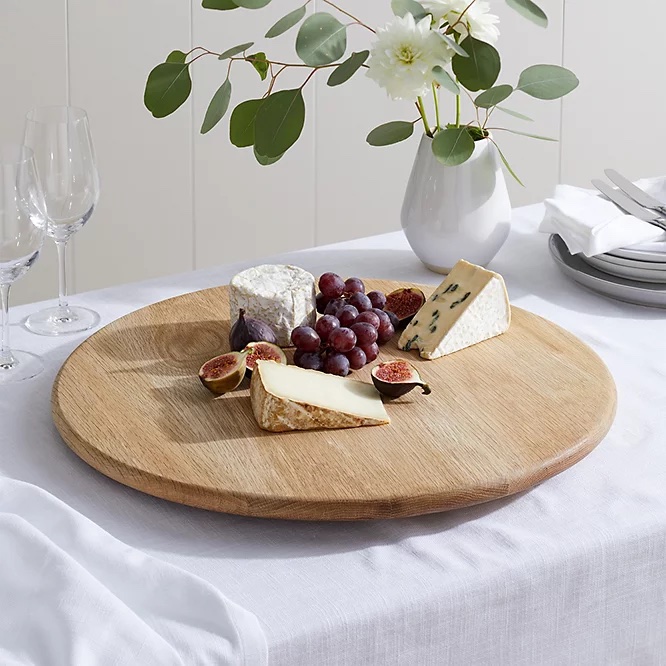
[{"x": 173, "y": 200}]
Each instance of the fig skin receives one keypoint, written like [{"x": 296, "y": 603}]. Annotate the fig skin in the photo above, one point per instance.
[
  {"x": 405, "y": 303},
  {"x": 399, "y": 378},
  {"x": 247, "y": 329},
  {"x": 266, "y": 351},
  {"x": 224, "y": 373}
]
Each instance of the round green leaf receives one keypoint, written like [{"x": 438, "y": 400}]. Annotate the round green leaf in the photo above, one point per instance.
[
  {"x": 530, "y": 11},
  {"x": 344, "y": 71},
  {"x": 235, "y": 50},
  {"x": 493, "y": 96},
  {"x": 168, "y": 86},
  {"x": 547, "y": 81},
  {"x": 252, "y": 4},
  {"x": 222, "y": 5},
  {"x": 453, "y": 146},
  {"x": 217, "y": 108},
  {"x": 260, "y": 63},
  {"x": 242, "y": 123},
  {"x": 321, "y": 40},
  {"x": 481, "y": 69},
  {"x": 176, "y": 56},
  {"x": 402, "y": 7},
  {"x": 279, "y": 122},
  {"x": 445, "y": 80},
  {"x": 390, "y": 133},
  {"x": 452, "y": 44},
  {"x": 286, "y": 22},
  {"x": 266, "y": 161}
]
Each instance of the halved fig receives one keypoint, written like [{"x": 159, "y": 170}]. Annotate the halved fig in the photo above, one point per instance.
[
  {"x": 405, "y": 303},
  {"x": 262, "y": 351},
  {"x": 395, "y": 378},
  {"x": 223, "y": 373}
]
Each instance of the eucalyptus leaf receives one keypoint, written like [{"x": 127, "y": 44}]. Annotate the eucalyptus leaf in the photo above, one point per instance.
[
  {"x": 279, "y": 122},
  {"x": 493, "y": 96},
  {"x": 176, "y": 56},
  {"x": 389, "y": 133},
  {"x": 452, "y": 44},
  {"x": 402, "y": 7},
  {"x": 260, "y": 63},
  {"x": 168, "y": 86},
  {"x": 235, "y": 50},
  {"x": 445, "y": 80},
  {"x": 530, "y": 11},
  {"x": 453, "y": 146},
  {"x": 286, "y": 22},
  {"x": 217, "y": 108},
  {"x": 266, "y": 161},
  {"x": 222, "y": 5},
  {"x": 252, "y": 4},
  {"x": 515, "y": 114},
  {"x": 547, "y": 81},
  {"x": 242, "y": 122},
  {"x": 321, "y": 40},
  {"x": 481, "y": 69},
  {"x": 344, "y": 71},
  {"x": 507, "y": 165},
  {"x": 532, "y": 136}
]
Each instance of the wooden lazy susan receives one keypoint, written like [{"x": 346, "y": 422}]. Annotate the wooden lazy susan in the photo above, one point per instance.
[{"x": 503, "y": 416}]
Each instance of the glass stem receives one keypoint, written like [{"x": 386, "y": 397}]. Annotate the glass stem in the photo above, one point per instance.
[
  {"x": 62, "y": 273},
  {"x": 6, "y": 357}
]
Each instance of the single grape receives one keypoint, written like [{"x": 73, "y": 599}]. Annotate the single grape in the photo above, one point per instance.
[
  {"x": 366, "y": 333},
  {"x": 347, "y": 315},
  {"x": 298, "y": 355},
  {"x": 334, "y": 305},
  {"x": 322, "y": 302},
  {"x": 342, "y": 339},
  {"x": 383, "y": 336},
  {"x": 311, "y": 361},
  {"x": 360, "y": 301},
  {"x": 371, "y": 352},
  {"x": 383, "y": 317},
  {"x": 377, "y": 299},
  {"x": 331, "y": 285},
  {"x": 326, "y": 325},
  {"x": 357, "y": 358},
  {"x": 336, "y": 364},
  {"x": 354, "y": 285},
  {"x": 368, "y": 317},
  {"x": 394, "y": 318},
  {"x": 305, "y": 338}
]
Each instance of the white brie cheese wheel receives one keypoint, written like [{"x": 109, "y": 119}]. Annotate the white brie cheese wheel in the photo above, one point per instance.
[{"x": 281, "y": 296}]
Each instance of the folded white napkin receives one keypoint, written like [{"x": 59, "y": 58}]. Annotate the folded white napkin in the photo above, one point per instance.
[
  {"x": 589, "y": 223},
  {"x": 73, "y": 595}
]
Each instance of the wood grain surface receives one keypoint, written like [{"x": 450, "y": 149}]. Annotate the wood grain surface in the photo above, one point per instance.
[{"x": 503, "y": 416}]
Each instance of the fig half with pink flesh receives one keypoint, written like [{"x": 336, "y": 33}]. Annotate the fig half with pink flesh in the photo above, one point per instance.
[
  {"x": 223, "y": 373},
  {"x": 405, "y": 303},
  {"x": 395, "y": 378},
  {"x": 262, "y": 351}
]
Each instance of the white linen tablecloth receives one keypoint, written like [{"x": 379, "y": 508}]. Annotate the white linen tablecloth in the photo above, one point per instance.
[{"x": 571, "y": 572}]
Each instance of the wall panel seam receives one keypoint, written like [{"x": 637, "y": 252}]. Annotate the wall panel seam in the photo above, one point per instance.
[
  {"x": 562, "y": 60},
  {"x": 70, "y": 257},
  {"x": 193, "y": 222}
]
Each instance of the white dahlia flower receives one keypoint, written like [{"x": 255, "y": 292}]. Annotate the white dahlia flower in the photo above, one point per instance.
[{"x": 477, "y": 20}]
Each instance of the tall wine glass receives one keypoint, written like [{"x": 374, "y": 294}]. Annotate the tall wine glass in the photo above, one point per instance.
[
  {"x": 65, "y": 158},
  {"x": 21, "y": 237}
]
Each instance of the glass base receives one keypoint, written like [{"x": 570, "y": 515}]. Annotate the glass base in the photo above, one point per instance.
[
  {"x": 61, "y": 321},
  {"x": 23, "y": 365}
]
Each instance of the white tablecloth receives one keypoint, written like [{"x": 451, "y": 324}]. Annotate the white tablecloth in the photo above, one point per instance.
[{"x": 571, "y": 572}]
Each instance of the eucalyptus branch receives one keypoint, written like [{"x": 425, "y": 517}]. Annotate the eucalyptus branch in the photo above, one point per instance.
[
  {"x": 351, "y": 16},
  {"x": 435, "y": 94},
  {"x": 460, "y": 18},
  {"x": 421, "y": 108}
]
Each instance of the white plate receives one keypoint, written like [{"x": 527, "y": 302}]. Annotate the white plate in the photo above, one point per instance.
[
  {"x": 629, "y": 272},
  {"x": 646, "y": 252},
  {"x": 632, "y": 263},
  {"x": 640, "y": 293}
]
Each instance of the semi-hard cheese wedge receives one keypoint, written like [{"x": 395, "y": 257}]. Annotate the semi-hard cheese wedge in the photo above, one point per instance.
[
  {"x": 285, "y": 397},
  {"x": 470, "y": 306},
  {"x": 281, "y": 296}
]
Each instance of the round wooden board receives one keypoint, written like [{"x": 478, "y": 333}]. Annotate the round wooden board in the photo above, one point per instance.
[{"x": 503, "y": 416}]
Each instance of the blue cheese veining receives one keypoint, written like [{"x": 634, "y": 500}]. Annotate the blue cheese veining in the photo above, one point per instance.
[{"x": 470, "y": 306}]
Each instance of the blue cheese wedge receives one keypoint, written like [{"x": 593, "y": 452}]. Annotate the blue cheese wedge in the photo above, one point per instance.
[
  {"x": 470, "y": 306},
  {"x": 285, "y": 397},
  {"x": 281, "y": 296}
]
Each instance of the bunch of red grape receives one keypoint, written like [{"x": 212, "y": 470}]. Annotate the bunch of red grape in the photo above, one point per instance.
[{"x": 350, "y": 331}]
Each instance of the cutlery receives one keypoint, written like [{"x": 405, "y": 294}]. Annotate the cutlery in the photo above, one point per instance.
[
  {"x": 622, "y": 201},
  {"x": 634, "y": 192}
]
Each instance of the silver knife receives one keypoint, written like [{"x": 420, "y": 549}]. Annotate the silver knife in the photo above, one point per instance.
[
  {"x": 621, "y": 200},
  {"x": 634, "y": 192}
]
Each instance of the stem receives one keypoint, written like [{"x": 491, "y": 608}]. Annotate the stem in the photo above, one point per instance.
[
  {"x": 351, "y": 16},
  {"x": 62, "y": 273},
  {"x": 421, "y": 108},
  {"x": 6, "y": 358},
  {"x": 457, "y": 110},
  {"x": 464, "y": 11},
  {"x": 435, "y": 94}
]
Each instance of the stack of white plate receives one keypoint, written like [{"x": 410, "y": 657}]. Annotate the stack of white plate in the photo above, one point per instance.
[{"x": 642, "y": 263}]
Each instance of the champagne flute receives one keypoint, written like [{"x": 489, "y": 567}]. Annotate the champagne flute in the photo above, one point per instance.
[
  {"x": 60, "y": 139},
  {"x": 21, "y": 237}
]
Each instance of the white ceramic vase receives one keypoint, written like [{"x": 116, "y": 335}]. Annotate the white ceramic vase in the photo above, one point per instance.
[{"x": 452, "y": 213}]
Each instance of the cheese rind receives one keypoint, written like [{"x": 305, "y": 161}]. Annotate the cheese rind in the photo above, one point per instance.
[
  {"x": 470, "y": 306},
  {"x": 281, "y": 296},
  {"x": 291, "y": 398}
]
